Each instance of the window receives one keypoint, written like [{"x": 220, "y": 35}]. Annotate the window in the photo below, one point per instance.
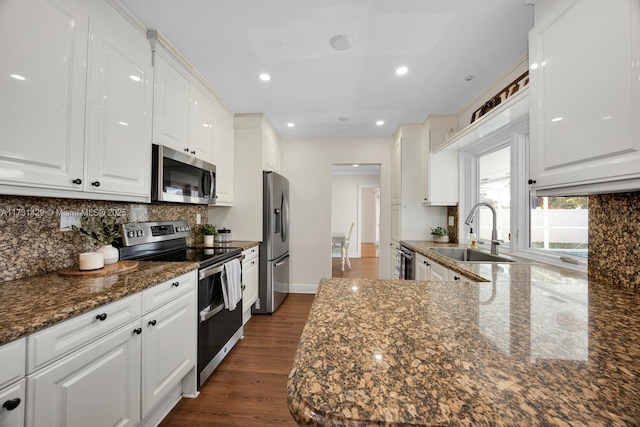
[{"x": 550, "y": 229}]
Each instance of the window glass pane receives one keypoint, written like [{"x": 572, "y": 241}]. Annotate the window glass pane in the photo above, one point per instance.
[
  {"x": 494, "y": 170},
  {"x": 560, "y": 225}
]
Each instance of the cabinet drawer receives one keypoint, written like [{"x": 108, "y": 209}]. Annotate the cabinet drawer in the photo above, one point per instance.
[
  {"x": 52, "y": 343},
  {"x": 251, "y": 253},
  {"x": 167, "y": 291},
  {"x": 12, "y": 368},
  {"x": 13, "y": 396}
]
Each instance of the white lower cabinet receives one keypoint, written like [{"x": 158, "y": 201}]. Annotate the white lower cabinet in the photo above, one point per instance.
[
  {"x": 422, "y": 267},
  {"x": 168, "y": 348},
  {"x": 112, "y": 366},
  {"x": 439, "y": 273},
  {"x": 427, "y": 269},
  {"x": 12, "y": 399},
  {"x": 98, "y": 385},
  {"x": 250, "y": 280}
]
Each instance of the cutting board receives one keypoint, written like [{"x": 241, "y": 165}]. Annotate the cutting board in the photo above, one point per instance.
[{"x": 107, "y": 270}]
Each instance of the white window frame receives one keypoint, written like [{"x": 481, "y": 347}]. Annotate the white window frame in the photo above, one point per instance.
[{"x": 515, "y": 135}]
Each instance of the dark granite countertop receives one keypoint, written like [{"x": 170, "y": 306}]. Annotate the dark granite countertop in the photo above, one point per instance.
[
  {"x": 533, "y": 345},
  {"x": 33, "y": 303}
]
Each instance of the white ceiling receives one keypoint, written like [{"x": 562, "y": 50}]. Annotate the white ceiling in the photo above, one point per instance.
[{"x": 312, "y": 85}]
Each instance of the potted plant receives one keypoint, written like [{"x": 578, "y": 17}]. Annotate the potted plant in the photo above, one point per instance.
[
  {"x": 208, "y": 231},
  {"x": 102, "y": 230},
  {"x": 440, "y": 235}
]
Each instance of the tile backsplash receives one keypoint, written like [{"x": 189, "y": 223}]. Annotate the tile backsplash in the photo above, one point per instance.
[{"x": 31, "y": 241}]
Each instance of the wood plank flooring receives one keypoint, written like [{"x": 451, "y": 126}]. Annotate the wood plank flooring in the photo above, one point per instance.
[
  {"x": 249, "y": 388},
  {"x": 366, "y": 267}
]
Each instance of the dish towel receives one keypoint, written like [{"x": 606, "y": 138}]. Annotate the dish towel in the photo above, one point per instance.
[{"x": 231, "y": 284}]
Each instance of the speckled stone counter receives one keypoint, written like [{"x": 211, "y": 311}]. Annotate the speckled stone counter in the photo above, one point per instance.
[
  {"x": 531, "y": 346},
  {"x": 33, "y": 303}
]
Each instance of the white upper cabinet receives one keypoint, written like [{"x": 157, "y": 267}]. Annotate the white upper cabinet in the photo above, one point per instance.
[
  {"x": 183, "y": 106},
  {"x": 117, "y": 153},
  {"x": 42, "y": 90},
  {"x": 75, "y": 101},
  {"x": 585, "y": 96},
  {"x": 439, "y": 171},
  {"x": 223, "y": 153}
]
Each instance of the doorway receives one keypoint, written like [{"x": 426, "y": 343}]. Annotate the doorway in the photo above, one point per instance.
[{"x": 356, "y": 200}]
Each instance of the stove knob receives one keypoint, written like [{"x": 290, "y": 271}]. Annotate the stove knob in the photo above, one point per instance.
[
  {"x": 131, "y": 234},
  {"x": 139, "y": 233}
]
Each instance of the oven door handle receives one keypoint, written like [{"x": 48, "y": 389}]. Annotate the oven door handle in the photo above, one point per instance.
[
  {"x": 210, "y": 271},
  {"x": 207, "y": 313}
]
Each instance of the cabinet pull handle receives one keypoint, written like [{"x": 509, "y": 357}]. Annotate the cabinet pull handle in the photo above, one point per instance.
[
  {"x": 12, "y": 404},
  {"x": 77, "y": 181},
  {"x": 176, "y": 284},
  {"x": 101, "y": 317},
  {"x": 531, "y": 181},
  {"x": 244, "y": 287},
  {"x": 96, "y": 183},
  {"x": 152, "y": 322},
  {"x": 456, "y": 277},
  {"x": 137, "y": 331}
]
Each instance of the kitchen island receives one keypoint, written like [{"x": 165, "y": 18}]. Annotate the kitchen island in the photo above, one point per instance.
[{"x": 531, "y": 346}]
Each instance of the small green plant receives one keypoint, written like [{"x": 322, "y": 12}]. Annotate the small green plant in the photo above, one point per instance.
[
  {"x": 102, "y": 230},
  {"x": 439, "y": 231},
  {"x": 208, "y": 230}
]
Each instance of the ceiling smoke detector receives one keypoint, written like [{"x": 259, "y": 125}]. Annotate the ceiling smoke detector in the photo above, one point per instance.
[{"x": 340, "y": 42}]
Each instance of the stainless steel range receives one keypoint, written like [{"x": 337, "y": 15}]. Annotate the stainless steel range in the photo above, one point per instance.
[{"x": 219, "y": 329}]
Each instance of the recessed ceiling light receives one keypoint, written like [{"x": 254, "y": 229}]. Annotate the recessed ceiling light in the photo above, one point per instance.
[
  {"x": 135, "y": 78},
  {"x": 343, "y": 119},
  {"x": 291, "y": 125},
  {"x": 17, "y": 77},
  {"x": 340, "y": 42},
  {"x": 401, "y": 71},
  {"x": 379, "y": 122},
  {"x": 355, "y": 165},
  {"x": 265, "y": 77},
  {"x": 468, "y": 78}
]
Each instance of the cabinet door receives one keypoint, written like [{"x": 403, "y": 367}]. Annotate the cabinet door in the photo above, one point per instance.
[
  {"x": 42, "y": 89},
  {"x": 271, "y": 151},
  {"x": 396, "y": 171},
  {"x": 439, "y": 273},
  {"x": 98, "y": 385},
  {"x": 118, "y": 152},
  {"x": 201, "y": 120},
  {"x": 250, "y": 279},
  {"x": 395, "y": 223},
  {"x": 423, "y": 267},
  {"x": 168, "y": 348},
  {"x": 454, "y": 276},
  {"x": 585, "y": 94},
  {"x": 170, "y": 106},
  {"x": 12, "y": 404},
  {"x": 223, "y": 153}
]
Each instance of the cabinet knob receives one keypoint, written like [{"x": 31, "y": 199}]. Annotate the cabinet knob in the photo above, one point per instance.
[
  {"x": 531, "y": 181},
  {"x": 193, "y": 152},
  {"x": 137, "y": 331},
  {"x": 426, "y": 263},
  {"x": 12, "y": 404},
  {"x": 152, "y": 322},
  {"x": 101, "y": 317},
  {"x": 77, "y": 181},
  {"x": 96, "y": 183},
  {"x": 186, "y": 150},
  {"x": 456, "y": 278},
  {"x": 176, "y": 284}
]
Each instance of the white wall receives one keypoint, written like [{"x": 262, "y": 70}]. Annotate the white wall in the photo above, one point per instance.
[
  {"x": 307, "y": 163},
  {"x": 344, "y": 206},
  {"x": 368, "y": 215}
]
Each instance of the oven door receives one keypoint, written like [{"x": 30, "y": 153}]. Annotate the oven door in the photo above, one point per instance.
[
  {"x": 218, "y": 328},
  {"x": 407, "y": 257}
]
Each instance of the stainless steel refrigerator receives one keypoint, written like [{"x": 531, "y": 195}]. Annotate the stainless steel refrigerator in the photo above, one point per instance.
[{"x": 274, "y": 249}]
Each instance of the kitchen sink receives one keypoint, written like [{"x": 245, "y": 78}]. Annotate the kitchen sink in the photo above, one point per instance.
[{"x": 470, "y": 255}]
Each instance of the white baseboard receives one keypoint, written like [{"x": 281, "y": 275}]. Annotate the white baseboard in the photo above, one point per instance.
[{"x": 302, "y": 289}]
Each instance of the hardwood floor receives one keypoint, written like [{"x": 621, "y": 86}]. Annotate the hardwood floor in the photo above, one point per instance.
[
  {"x": 249, "y": 388},
  {"x": 366, "y": 267}
]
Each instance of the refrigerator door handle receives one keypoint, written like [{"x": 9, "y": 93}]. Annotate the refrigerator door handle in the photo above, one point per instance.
[
  {"x": 279, "y": 263},
  {"x": 277, "y": 220},
  {"x": 285, "y": 217}
]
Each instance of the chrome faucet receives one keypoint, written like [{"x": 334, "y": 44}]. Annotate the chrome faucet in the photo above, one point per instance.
[{"x": 494, "y": 233}]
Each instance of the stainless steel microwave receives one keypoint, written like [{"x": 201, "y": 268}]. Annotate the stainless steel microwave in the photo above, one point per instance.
[{"x": 181, "y": 178}]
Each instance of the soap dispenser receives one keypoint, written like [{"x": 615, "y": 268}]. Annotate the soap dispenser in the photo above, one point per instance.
[{"x": 472, "y": 241}]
